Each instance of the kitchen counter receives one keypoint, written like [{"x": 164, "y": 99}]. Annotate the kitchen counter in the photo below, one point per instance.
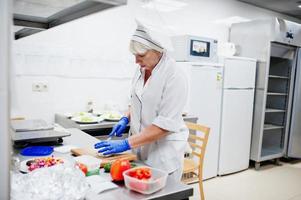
[{"x": 172, "y": 190}]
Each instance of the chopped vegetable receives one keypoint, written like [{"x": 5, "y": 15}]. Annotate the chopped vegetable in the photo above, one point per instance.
[
  {"x": 133, "y": 165},
  {"x": 138, "y": 186},
  {"x": 107, "y": 167},
  {"x": 43, "y": 162},
  {"x": 141, "y": 173},
  {"x": 112, "y": 115},
  {"x": 86, "y": 119}
]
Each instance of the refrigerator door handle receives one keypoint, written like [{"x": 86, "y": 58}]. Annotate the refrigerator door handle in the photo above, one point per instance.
[
  {"x": 234, "y": 88},
  {"x": 207, "y": 66}
]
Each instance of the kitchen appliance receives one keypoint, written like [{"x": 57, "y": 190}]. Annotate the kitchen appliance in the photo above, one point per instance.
[
  {"x": 275, "y": 44},
  {"x": 205, "y": 99},
  {"x": 222, "y": 96},
  {"x": 236, "y": 114},
  {"x": 193, "y": 48},
  {"x": 24, "y": 132},
  {"x": 294, "y": 140},
  {"x": 226, "y": 49}
]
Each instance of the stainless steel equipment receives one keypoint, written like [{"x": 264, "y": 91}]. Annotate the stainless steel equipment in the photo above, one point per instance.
[
  {"x": 24, "y": 132},
  {"x": 33, "y": 16},
  {"x": 294, "y": 142},
  {"x": 101, "y": 129},
  {"x": 275, "y": 44}
]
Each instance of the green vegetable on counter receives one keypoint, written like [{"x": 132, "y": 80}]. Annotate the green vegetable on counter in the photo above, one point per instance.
[
  {"x": 93, "y": 172},
  {"x": 107, "y": 167},
  {"x": 86, "y": 119},
  {"x": 133, "y": 165}
]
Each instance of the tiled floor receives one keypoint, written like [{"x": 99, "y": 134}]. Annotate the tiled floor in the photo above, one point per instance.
[{"x": 269, "y": 183}]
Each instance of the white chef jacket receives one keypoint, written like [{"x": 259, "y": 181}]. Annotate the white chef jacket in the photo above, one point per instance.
[{"x": 161, "y": 102}]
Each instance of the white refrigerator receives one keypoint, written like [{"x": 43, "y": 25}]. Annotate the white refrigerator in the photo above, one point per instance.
[
  {"x": 236, "y": 114},
  {"x": 205, "y": 98},
  {"x": 221, "y": 96}
]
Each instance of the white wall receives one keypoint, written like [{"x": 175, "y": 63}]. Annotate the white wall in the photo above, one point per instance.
[
  {"x": 88, "y": 59},
  {"x": 80, "y": 61}
]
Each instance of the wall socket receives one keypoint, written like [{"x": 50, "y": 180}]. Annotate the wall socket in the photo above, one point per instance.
[{"x": 40, "y": 87}]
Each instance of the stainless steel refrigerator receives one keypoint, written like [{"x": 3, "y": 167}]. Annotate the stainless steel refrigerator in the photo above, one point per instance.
[{"x": 275, "y": 44}]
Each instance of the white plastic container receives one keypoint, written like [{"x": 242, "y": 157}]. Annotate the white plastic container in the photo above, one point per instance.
[
  {"x": 155, "y": 183},
  {"x": 91, "y": 162}
]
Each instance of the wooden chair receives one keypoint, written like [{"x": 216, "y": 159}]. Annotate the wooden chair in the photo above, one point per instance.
[{"x": 193, "y": 171}]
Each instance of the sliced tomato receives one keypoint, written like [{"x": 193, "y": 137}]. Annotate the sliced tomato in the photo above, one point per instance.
[
  {"x": 141, "y": 173},
  {"x": 138, "y": 186},
  {"x": 132, "y": 173},
  {"x": 147, "y": 174}
]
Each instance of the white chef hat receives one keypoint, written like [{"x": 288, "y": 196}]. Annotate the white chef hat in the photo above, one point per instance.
[
  {"x": 142, "y": 41},
  {"x": 138, "y": 48}
]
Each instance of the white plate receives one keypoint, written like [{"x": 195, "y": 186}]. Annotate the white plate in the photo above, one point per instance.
[
  {"x": 97, "y": 112},
  {"x": 24, "y": 167},
  {"x": 112, "y": 119},
  {"x": 111, "y": 116},
  {"x": 87, "y": 119}
]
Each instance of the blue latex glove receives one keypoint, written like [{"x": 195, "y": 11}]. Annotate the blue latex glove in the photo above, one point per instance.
[
  {"x": 112, "y": 146},
  {"x": 119, "y": 128}
]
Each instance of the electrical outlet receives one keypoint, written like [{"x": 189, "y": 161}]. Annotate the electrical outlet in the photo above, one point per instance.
[
  {"x": 36, "y": 87},
  {"x": 40, "y": 87},
  {"x": 44, "y": 87}
]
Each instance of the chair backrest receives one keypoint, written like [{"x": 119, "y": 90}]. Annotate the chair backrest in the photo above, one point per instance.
[{"x": 198, "y": 143}]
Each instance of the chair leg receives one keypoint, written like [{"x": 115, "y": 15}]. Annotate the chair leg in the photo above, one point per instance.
[
  {"x": 201, "y": 190},
  {"x": 201, "y": 185}
]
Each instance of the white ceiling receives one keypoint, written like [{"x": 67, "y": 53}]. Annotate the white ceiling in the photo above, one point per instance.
[{"x": 288, "y": 7}]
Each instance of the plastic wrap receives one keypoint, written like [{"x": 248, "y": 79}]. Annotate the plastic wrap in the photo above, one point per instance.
[{"x": 58, "y": 182}]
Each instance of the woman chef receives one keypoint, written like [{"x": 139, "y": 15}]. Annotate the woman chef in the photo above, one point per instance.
[{"x": 158, "y": 134}]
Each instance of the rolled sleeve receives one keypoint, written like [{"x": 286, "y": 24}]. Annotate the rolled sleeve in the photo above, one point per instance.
[{"x": 166, "y": 123}]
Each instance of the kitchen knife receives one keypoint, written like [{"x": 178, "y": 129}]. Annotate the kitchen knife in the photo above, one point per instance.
[{"x": 110, "y": 137}]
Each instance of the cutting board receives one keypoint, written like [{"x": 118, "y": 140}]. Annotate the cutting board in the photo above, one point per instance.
[{"x": 104, "y": 159}]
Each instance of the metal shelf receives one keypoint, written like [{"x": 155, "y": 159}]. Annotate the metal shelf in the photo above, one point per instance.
[
  {"x": 272, "y": 126},
  {"x": 279, "y": 77},
  {"x": 272, "y": 110},
  {"x": 32, "y": 17},
  {"x": 270, "y": 151}
]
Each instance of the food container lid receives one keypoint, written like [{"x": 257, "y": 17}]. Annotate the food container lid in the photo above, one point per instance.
[{"x": 37, "y": 151}]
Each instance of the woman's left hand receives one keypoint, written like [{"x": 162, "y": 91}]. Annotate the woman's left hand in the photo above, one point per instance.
[{"x": 112, "y": 146}]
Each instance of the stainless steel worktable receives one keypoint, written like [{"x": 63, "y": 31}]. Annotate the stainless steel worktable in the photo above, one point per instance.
[
  {"x": 97, "y": 129},
  {"x": 68, "y": 123},
  {"x": 173, "y": 189}
]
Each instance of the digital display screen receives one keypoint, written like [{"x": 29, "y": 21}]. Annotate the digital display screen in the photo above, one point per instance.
[{"x": 199, "y": 48}]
